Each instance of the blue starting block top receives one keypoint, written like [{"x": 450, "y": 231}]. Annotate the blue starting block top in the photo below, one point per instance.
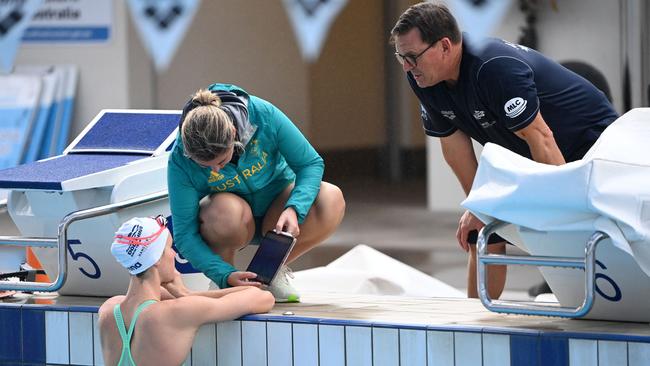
[
  {"x": 132, "y": 132},
  {"x": 113, "y": 139},
  {"x": 49, "y": 174}
]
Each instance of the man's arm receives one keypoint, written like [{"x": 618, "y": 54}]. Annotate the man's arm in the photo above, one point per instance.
[
  {"x": 541, "y": 142},
  {"x": 459, "y": 154}
]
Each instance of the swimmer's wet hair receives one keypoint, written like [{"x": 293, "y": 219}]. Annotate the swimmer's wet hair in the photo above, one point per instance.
[{"x": 207, "y": 130}]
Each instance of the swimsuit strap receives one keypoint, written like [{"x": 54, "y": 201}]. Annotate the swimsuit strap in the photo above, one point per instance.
[{"x": 126, "y": 336}]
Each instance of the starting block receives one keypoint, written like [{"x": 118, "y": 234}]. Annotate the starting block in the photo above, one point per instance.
[
  {"x": 114, "y": 170},
  {"x": 592, "y": 215}
]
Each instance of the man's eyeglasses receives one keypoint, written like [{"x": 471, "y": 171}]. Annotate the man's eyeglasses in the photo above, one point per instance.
[{"x": 412, "y": 60}]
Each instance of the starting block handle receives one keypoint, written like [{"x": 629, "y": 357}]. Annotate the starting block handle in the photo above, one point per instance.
[
  {"x": 61, "y": 241},
  {"x": 526, "y": 308}
]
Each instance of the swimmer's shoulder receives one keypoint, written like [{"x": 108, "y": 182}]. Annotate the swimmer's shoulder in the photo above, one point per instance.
[{"x": 106, "y": 308}]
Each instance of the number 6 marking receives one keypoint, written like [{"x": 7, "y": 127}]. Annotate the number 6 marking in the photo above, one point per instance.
[{"x": 617, "y": 290}]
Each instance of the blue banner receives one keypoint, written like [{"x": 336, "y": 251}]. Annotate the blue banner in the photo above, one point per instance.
[
  {"x": 71, "y": 21},
  {"x": 66, "y": 34}
]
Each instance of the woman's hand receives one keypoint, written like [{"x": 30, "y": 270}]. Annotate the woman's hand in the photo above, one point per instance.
[
  {"x": 288, "y": 222},
  {"x": 240, "y": 278}
]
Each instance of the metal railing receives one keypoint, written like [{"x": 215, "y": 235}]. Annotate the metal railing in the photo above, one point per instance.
[
  {"x": 61, "y": 241},
  {"x": 520, "y": 307}
]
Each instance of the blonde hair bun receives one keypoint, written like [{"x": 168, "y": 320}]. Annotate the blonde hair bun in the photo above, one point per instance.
[{"x": 205, "y": 97}]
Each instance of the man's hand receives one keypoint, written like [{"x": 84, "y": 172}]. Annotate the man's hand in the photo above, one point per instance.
[
  {"x": 240, "y": 278},
  {"x": 467, "y": 223},
  {"x": 288, "y": 222}
]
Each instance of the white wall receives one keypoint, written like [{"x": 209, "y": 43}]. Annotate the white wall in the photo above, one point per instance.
[{"x": 585, "y": 30}]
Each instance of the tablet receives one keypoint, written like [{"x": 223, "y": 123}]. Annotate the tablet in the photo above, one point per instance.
[{"x": 272, "y": 252}]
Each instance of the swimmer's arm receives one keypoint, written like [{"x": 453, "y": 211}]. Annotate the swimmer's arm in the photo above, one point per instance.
[
  {"x": 176, "y": 289},
  {"x": 198, "y": 310},
  {"x": 216, "y": 294}
]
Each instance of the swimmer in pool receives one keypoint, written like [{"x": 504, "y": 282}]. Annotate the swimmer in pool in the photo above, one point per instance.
[{"x": 156, "y": 321}]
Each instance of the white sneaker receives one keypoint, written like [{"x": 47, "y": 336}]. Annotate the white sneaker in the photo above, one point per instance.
[{"x": 281, "y": 288}]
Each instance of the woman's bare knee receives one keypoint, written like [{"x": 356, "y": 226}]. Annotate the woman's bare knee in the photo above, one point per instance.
[
  {"x": 226, "y": 221},
  {"x": 330, "y": 204}
]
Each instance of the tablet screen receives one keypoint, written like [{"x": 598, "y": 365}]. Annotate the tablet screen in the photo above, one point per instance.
[{"x": 270, "y": 255}]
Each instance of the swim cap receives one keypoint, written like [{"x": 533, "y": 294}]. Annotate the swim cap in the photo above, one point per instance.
[{"x": 139, "y": 243}]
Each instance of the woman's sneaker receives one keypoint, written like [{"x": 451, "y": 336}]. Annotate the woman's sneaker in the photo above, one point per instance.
[{"x": 281, "y": 287}]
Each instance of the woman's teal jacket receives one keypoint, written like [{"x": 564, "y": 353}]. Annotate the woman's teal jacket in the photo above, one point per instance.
[{"x": 276, "y": 154}]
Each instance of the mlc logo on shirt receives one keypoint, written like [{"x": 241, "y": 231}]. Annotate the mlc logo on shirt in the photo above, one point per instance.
[{"x": 515, "y": 107}]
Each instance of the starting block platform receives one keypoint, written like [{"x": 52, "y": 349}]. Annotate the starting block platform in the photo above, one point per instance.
[
  {"x": 71, "y": 205},
  {"x": 112, "y": 140},
  {"x": 586, "y": 223},
  {"x": 335, "y": 329}
]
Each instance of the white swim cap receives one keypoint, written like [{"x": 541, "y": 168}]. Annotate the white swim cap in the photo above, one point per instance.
[{"x": 139, "y": 243}]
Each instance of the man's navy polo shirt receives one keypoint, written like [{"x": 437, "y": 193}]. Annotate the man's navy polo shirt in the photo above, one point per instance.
[{"x": 500, "y": 89}]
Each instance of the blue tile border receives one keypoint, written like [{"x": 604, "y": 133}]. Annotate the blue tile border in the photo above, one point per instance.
[
  {"x": 603, "y": 336},
  {"x": 517, "y": 331},
  {"x": 33, "y": 334},
  {"x": 514, "y": 331},
  {"x": 282, "y": 319},
  {"x": 10, "y": 305},
  {"x": 457, "y": 328},
  {"x": 554, "y": 350},
  {"x": 524, "y": 350},
  {"x": 10, "y": 331},
  {"x": 66, "y": 308},
  {"x": 398, "y": 326},
  {"x": 349, "y": 323}
]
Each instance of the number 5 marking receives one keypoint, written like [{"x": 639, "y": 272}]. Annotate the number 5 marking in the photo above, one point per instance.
[{"x": 77, "y": 255}]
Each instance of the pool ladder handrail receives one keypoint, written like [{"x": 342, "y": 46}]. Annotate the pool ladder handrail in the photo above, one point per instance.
[
  {"x": 526, "y": 308},
  {"x": 61, "y": 241}
]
